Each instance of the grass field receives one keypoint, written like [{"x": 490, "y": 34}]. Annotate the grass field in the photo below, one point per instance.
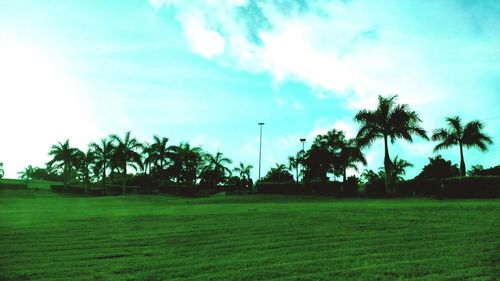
[{"x": 45, "y": 236}]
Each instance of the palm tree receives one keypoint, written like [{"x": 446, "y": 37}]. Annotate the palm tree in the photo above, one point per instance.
[
  {"x": 186, "y": 162},
  {"x": 85, "y": 162},
  {"x": 215, "y": 170},
  {"x": 103, "y": 154},
  {"x": 243, "y": 170},
  {"x": 456, "y": 133},
  {"x": 27, "y": 173},
  {"x": 126, "y": 155},
  {"x": 349, "y": 155},
  {"x": 217, "y": 162},
  {"x": 64, "y": 157},
  {"x": 159, "y": 151},
  {"x": 399, "y": 168},
  {"x": 389, "y": 121}
]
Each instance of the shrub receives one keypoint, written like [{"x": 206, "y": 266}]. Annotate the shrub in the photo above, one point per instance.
[
  {"x": 182, "y": 189},
  {"x": 13, "y": 185},
  {"x": 325, "y": 188},
  {"x": 350, "y": 187},
  {"x": 279, "y": 188},
  {"x": 472, "y": 187}
]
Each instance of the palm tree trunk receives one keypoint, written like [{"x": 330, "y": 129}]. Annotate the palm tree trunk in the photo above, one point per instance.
[
  {"x": 462, "y": 162},
  {"x": 387, "y": 167},
  {"x": 104, "y": 178},
  {"x": 124, "y": 179}
]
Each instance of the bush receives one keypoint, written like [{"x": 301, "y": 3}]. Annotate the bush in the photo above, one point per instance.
[
  {"x": 472, "y": 187},
  {"x": 420, "y": 187},
  {"x": 375, "y": 187},
  {"x": 350, "y": 187},
  {"x": 325, "y": 188},
  {"x": 279, "y": 188},
  {"x": 13, "y": 186},
  {"x": 184, "y": 190},
  {"x": 456, "y": 187}
]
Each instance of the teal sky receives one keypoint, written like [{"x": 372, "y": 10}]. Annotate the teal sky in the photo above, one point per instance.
[{"x": 207, "y": 71}]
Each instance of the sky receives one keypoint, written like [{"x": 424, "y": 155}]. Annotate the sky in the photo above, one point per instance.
[{"x": 208, "y": 71}]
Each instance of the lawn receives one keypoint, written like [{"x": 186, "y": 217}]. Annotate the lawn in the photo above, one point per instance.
[{"x": 46, "y": 236}]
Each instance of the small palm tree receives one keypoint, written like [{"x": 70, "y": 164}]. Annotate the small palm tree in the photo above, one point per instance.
[
  {"x": 126, "y": 154},
  {"x": 63, "y": 157},
  {"x": 389, "y": 121},
  {"x": 103, "y": 155},
  {"x": 399, "y": 167},
  {"x": 456, "y": 133},
  {"x": 27, "y": 173},
  {"x": 243, "y": 170},
  {"x": 217, "y": 163}
]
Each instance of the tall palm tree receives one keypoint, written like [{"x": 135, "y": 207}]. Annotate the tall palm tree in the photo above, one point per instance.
[
  {"x": 348, "y": 157},
  {"x": 243, "y": 170},
  {"x": 126, "y": 153},
  {"x": 63, "y": 157},
  {"x": 160, "y": 151},
  {"x": 85, "y": 162},
  {"x": 468, "y": 135},
  {"x": 389, "y": 121},
  {"x": 103, "y": 155}
]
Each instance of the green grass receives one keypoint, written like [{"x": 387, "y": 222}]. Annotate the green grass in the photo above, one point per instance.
[{"x": 45, "y": 236}]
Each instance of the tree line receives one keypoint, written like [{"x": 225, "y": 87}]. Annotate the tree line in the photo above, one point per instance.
[{"x": 109, "y": 161}]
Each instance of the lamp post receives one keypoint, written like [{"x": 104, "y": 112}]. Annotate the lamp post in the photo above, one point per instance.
[
  {"x": 303, "y": 141},
  {"x": 260, "y": 146}
]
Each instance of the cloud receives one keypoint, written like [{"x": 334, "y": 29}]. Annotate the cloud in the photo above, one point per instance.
[
  {"x": 441, "y": 57},
  {"x": 354, "y": 49}
]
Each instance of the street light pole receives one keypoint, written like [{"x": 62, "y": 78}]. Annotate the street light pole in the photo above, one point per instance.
[{"x": 260, "y": 147}]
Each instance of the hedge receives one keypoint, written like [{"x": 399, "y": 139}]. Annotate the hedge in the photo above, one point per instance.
[
  {"x": 13, "y": 186},
  {"x": 456, "y": 187},
  {"x": 279, "y": 188}
]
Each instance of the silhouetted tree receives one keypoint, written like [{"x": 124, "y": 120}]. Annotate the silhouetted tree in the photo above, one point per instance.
[
  {"x": 85, "y": 161},
  {"x": 102, "y": 156},
  {"x": 293, "y": 165},
  {"x": 389, "y": 121},
  {"x": 398, "y": 168},
  {"x": 1, "y": 170},
  {"x": 64, "y": 157},
  {"x": 279, "y": 173},
  {"x": 215, "y": 170},
  {"x": 348, "y": 157},
  {"x": 438, "y": 168},
  {"x": 456, "y": 133},
  {"x": 126, "y": 153},
  {"x": 319, "y": 160},
  {"x": 186, "y": 162},
  {"x": 243, "y": 171}
]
